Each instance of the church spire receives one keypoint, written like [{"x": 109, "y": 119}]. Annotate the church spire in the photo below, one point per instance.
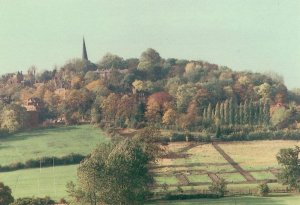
[{"x": 84, "y": 53}]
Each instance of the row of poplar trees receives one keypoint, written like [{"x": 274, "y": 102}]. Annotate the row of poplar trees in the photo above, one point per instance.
[{"x": 231, "y": 113}]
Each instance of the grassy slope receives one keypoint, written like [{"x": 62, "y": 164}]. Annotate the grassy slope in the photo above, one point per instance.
[
  {"x": 49, "y": 142},
  {"x": 46, "y": 142}
]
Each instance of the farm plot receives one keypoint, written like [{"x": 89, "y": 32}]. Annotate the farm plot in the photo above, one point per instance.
[
  {"x": 199, "y": 158},
  {"x": 242, "y": 165},
  {"x": 256, "y": 155}
]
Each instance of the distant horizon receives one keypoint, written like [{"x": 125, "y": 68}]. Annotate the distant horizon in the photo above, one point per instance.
[{"x": 250, "y": 35}]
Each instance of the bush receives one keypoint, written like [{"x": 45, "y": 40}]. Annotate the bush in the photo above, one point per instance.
[
  {"x": 5, "y": 194},
  {"x": 4, "y": 133},
  {"x": 33, "y": 201},
  {"x": 242, "y": 135},
  {"x": 44, "y": 162},
  {"x": 263, "y": 189},
  {"x": 169, "y": 196},
  {"x": 219, "y": 188}
]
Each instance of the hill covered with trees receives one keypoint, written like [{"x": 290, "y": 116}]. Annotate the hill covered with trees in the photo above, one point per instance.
[{"x": 172, "y": 94}]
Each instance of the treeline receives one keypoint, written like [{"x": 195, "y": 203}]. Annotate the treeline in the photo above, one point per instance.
[
  {"x": 138, "y": 92},
  {"x": 231, "y": 113}
]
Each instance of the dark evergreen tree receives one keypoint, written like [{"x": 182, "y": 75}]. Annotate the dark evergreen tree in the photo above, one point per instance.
[
  {"x": 226, "y": 112},
  {"x": 246, "y": 113},
  {"x": 218, "y": 112},
  {"x": 231, "y": 112},
  {"x": 241, "y": 110},
  {"x": 266, "y": 112},
  {"x": 209, "y": 113},
  {"x": 204, "y": 116},
  {"x": 222, "y": 113}
]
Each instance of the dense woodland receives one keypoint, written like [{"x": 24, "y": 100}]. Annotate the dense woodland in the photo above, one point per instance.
[{"x": 172, "y": 94}]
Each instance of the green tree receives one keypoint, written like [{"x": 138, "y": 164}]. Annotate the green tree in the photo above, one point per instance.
[
  {"x": 13, "y": 117},
  {"x": 241, "y": 110},
  {"x": 222, "y": 113},
  {"x": 246, "y": 113},
  {"x": 149, "y": 58},
  {"x": 261, "y": 113},
  {"x": 290, "y": 172},
  {"x": 109, "y": 61},
  {"x": 5, "y": 195},
  {"x": 263, "y": 189},
  {"x": 113, "y": 174},
  {"x": 33, "y": 201},
  {"x": 266, "y": 112},
  {"x": 231, "y": 111},
  {"x": 184, "y": 95},
  {"x": 226, "y": 112},
  {"x": 218, "y": 113},
  {"x": 209, "y": 113}
]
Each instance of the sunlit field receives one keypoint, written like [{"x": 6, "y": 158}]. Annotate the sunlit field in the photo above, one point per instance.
[{"x": 57, "y": 141}]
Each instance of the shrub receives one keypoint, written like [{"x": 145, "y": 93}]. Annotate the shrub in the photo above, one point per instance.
[
  {"x": 4, "y": 133},
  {"x": 44, "y": 162},
  {"x": 263, "y": 189},
  {"x": 219, "y": 188},
  {"x": 169, "y": 196},
  {"x": 5, "y": 194},
  {"x": 33, "y": 201}
]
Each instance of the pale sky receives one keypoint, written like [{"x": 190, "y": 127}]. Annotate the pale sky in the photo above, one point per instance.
[{"x": 257, "y": 35}]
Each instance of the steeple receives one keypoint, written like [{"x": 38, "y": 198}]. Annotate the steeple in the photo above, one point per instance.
[{"x": 84, "y": 53}]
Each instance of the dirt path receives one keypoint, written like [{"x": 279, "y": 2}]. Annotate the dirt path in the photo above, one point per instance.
[
  {"x": 275, "y": 172},
  {"x": 190, "y": 146},
  {"x": 213, "y": 177},
  {"x": 188, "y": 165},
  {"x": 235, "y": 165},
  {"x": 183, "y": 180}
]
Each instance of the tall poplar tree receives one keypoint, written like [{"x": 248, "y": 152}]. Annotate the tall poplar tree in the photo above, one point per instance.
[{"x": 246, "y": 112}]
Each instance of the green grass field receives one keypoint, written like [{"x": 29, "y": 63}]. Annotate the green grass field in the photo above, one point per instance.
[
  {"x": 49, "y": 142},
  {"x": 40, "y": 182},
  {"x": 46, "y": 142},
  {"x": 246, "y": 200}
]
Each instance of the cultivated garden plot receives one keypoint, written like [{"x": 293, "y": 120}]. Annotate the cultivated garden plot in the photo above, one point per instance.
[
  {"x": 257, "y": 155},
  {"x": 195, "y": 166},
  {"x": 202, "y": 157}
]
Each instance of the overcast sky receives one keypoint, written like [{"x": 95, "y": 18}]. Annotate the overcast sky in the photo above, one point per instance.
[{"x": 257, "y": 35}]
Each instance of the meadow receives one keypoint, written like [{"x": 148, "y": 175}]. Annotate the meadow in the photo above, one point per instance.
[
  {"x": 57, "y": 141},
  {"x": 38, "y": 182}
]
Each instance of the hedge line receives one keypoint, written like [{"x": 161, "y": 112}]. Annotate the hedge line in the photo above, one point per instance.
[
  {"x": 33, "y": 201},
  {"x": 190, "y": 196},
  {"x": 44, "y": 162},
  {"x": 236, "y": 136}
]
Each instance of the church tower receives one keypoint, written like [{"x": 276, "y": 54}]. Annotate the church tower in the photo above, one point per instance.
[{"x": 84, "y": 53}]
